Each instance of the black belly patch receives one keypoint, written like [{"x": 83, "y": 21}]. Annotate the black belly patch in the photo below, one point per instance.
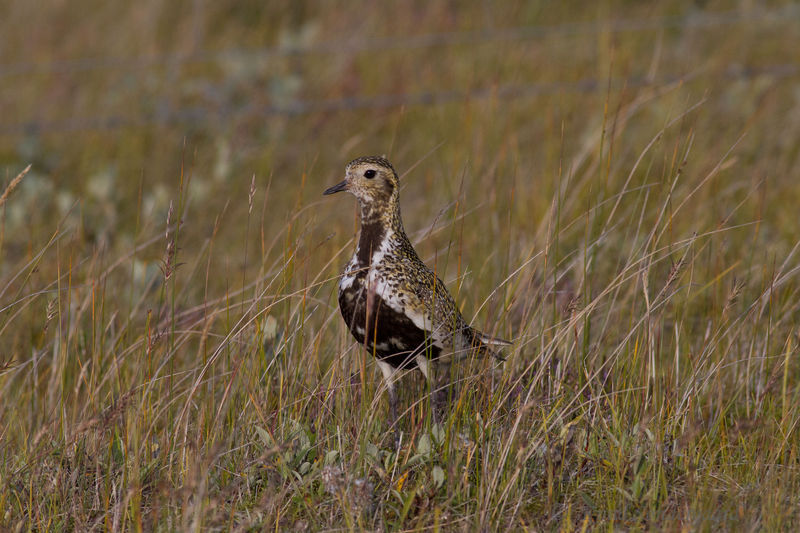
[{"x": 390, "y": 335}]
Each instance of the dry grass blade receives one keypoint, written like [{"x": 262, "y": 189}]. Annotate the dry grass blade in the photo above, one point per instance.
[
  {"x": 13, "y": 185},
  {"x": 611, "y": 187}
]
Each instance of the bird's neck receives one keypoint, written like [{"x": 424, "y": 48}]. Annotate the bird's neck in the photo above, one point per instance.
[{"x": 381, "y": 230}]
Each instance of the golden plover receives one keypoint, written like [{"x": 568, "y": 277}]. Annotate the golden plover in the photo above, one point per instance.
[{"x": 391, "y": 301}]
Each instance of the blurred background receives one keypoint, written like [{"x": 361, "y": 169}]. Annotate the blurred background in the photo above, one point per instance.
[
  {"x": 109, "y": 101},
  {"x": 555, "y": 158},
  {"x": 499, "y": 109}
]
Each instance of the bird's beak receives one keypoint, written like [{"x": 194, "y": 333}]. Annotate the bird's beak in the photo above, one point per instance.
[{"x": 341, "y": 186}]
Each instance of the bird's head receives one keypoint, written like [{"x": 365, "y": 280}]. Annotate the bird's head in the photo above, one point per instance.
[{"x": 371, "y": 179}]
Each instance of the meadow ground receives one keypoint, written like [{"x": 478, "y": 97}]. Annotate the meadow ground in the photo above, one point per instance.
[{"x": 612, "y": 185}]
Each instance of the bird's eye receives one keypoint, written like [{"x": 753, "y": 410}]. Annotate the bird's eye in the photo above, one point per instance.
[{"x": 369, "y": 174}]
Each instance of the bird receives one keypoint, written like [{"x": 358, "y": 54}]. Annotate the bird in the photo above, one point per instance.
[{"x": 390, "y": 300}]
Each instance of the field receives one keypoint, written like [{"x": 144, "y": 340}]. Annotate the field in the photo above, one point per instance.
[{"x": 614, "y": 186}]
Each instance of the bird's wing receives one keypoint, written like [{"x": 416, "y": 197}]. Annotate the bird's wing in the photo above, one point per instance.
[
  {"x": 435, "y": 308},
  {"x": 449, "y": 329},
  {"x": 422, "y": 298}
]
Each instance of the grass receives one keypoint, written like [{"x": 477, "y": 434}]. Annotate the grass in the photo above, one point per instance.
[{"x": 614, "y": 189}]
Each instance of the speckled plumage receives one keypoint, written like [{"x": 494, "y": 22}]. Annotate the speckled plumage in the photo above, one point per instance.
[{"x": 390, "y": 300}]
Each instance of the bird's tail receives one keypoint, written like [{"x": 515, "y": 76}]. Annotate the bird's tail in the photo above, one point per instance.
[{"x": 485, "y": 344}]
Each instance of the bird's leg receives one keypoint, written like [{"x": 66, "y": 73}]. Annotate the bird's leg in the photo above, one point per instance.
[
  {"x": 393, "y": 415},
  {"x": 389, "y": 375},
  {"x": 436, "y": 375},
  {"x": 439, "y": 384},
  {"x": 437, "y": 406}
]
